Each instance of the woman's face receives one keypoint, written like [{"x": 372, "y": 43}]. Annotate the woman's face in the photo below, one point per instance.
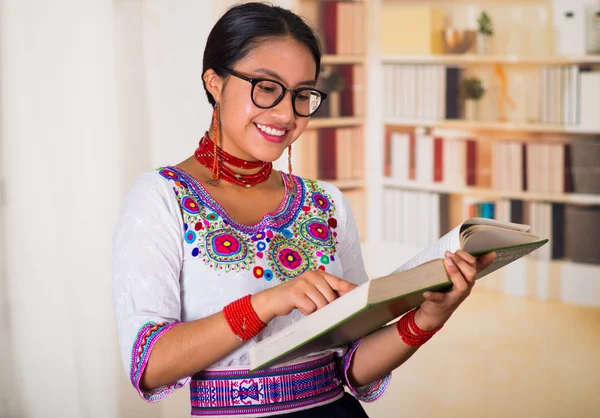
[{"x": 243, "y": 123}]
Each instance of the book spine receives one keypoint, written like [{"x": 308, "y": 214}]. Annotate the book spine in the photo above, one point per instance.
[
  {"x": 471, "y": 162},
  {"x": 438, "y": 159}
]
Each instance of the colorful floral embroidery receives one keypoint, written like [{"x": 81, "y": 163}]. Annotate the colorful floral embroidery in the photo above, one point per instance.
[
  {"x": 317, "y": 232},
  {"x": 190, "y": 236},
  {"x": 298, "y": 237},
  {"x": 190, "y": 206},
  {"x": 258, "y": 236},
  {"x": 258, "y": 272},
  {"x": 288, "y": 259},
  {"x": 227, "y": 250},
  {"x": 321, "y": 201},
  {"x": 169, "y": 174}
]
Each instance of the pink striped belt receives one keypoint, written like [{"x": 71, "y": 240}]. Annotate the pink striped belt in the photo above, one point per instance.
[{"x": 300, "y": 386}]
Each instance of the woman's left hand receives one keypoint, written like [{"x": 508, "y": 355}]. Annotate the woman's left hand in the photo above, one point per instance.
[{"x": 438, "y": 307}]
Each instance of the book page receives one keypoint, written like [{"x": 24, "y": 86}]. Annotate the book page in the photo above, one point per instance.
[
  {"x": 498, "y": 224},
  {"x": 486, "y": 239},
  {"x": 449, "y": 242}
]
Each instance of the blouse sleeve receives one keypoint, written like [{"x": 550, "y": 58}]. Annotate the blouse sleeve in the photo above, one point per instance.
[
  {"x": 350, "y": 254},
  {"x": 147, "y": 260}
]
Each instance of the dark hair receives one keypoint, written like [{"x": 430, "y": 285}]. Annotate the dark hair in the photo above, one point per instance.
[{"x": 245, "y": 26}]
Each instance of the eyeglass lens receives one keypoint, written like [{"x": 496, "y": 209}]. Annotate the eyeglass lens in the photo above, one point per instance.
[{"x": 266, "y": 93}]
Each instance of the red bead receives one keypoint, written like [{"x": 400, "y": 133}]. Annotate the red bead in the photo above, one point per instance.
[
  {"x": 242, "y": 319},
  {"x": 410, "y": 333},
  {"x": 415, "y": 329},
  {"x": 214, "y": 158}
]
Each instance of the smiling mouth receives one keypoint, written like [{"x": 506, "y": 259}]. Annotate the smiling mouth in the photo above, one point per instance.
[
  {"x": 271, "y": 131},
  {"x": 277, "y": 136}
]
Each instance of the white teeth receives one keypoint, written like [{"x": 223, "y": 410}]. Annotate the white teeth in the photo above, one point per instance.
[{"x": 269, "y": 130}]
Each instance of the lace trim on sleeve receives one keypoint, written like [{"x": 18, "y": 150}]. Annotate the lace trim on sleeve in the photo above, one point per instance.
[
  {"x": 370, "y": 392},
  {"x": 149, "y": 333}
]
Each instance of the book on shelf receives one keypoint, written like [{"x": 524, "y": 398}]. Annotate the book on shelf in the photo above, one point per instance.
[
  {"x": 551, "y": 166},
  {"x": 410, "y": 30},
  {"x": 415, "y": 218},
  {"x": 435, "y": 159},
  {"x": 331, "y": 154},
  {"x": 422, "y": 91},
  {"x": 379, "y": 301},
  {"x": 344, "y": 84},
  {"x": 340, "y": 25}
]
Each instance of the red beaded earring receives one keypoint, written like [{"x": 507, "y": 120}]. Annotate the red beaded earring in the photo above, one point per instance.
[
  {"x": 290, "y": 159},
  {"x": 215, "y": 167}
]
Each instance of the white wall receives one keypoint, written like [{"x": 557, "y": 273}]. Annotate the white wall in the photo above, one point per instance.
[
  {"x": 8, "y": 405},
  {"x": 61, "y": 163},
  {"x": 174, "y": 36}
]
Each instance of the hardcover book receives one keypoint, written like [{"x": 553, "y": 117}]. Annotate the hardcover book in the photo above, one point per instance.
[{"x": 379, "y": 301}]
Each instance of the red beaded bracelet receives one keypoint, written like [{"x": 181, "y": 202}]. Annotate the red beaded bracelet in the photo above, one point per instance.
[
  {"x": 410, "y": 333},
  {"x": 242, "y": 319}
]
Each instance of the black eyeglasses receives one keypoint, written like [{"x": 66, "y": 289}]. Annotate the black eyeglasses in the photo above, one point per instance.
[{"x": 267, "y": 93}]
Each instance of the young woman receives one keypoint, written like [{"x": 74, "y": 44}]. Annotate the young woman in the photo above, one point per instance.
[{"x": 221, "y": 251}]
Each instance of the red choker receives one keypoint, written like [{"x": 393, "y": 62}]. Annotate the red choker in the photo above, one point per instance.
[{"x": 211, "y": 156}]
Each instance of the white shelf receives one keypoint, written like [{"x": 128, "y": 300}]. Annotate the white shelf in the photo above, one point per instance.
[
  {"x": 334, "y": 122},
  {"x": 486, "y": 193},
  {"x": 491, "y": 126},
  {"x": 343, "y": 59},
  {"x": 489, "y": 59}
]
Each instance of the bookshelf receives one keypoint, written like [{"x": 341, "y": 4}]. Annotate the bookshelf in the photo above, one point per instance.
[
  {"x": 373, "y": 188},
  {"x": 491, "y": 126},
  {"x": 343, "y": 59},
  {"x": 337, "y": 122},
  {"x": 464, "y": 59},
  {"x": 332, "y": 147},
  {"x": 389, "y": 197},
  {"x": 487, "y": 193}
]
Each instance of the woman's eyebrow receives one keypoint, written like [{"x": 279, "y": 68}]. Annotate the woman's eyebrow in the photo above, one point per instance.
[{"x": 277, "y": 77}]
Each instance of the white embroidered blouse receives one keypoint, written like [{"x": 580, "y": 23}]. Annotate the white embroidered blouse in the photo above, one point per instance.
[{"x": 178, "y": 257}]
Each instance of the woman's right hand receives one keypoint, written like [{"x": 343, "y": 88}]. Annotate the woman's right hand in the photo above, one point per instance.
[{"x": 308, "y": 292}]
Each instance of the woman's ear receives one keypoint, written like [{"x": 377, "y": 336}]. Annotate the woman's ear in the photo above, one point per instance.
[{"x": 214, "y": 84}]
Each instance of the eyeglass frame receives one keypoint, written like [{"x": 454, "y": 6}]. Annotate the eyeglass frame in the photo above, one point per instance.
[{"x": 255, "y": 80}]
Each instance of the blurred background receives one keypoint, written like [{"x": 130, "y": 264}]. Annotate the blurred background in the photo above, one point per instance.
[{"x": 437, "y": 111}]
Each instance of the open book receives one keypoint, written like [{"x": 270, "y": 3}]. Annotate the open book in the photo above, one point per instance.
[{"x": 380, "y": 301}]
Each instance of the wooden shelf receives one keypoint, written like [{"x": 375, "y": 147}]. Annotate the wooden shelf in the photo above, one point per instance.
[
  {"x": 347, "y": 184},
  {"x": 492, "y": 126},
  {"x": 334, "y": 122},
  {"x": 489, "y": 59},
  {"x": 343, "y": 59},
  {"x": 486, "y": 193}
]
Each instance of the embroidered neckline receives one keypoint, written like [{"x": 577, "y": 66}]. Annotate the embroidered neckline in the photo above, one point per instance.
[{"x": 282, "y": 217}]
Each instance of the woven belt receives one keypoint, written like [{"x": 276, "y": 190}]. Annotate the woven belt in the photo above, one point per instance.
[{"x": 300, "y": 386}]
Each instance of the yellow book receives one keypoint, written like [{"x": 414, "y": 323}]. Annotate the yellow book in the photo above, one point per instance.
[{"x": 411, "y": 30}]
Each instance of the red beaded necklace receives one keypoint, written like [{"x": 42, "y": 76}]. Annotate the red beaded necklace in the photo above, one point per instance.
[{"x": 211, "y": 156}]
